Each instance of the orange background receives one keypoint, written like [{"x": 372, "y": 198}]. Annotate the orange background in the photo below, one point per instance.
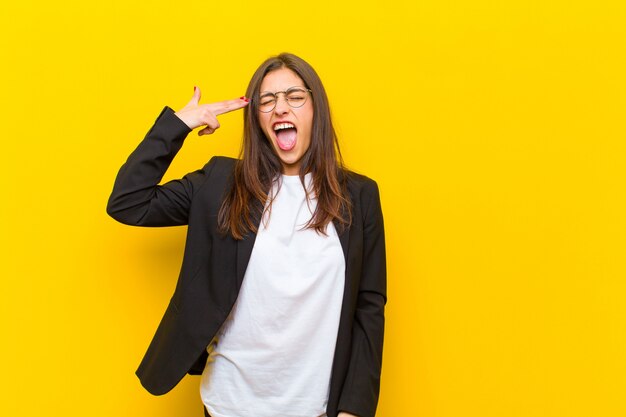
[{"x": 494, "y": 129}]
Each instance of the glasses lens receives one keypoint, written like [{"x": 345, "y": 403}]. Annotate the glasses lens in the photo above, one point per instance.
[
  {"x": 267, "y": 103},
  {"x": 296, "y": 97}
]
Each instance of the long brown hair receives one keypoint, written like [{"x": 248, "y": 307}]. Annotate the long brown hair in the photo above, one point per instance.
[{"x": 258, "y": 165}]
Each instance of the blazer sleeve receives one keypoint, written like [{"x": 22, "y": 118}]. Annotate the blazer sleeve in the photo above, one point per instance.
[
  {"x": 137, "y": 198},
  {"x": 362, "y": 384}
]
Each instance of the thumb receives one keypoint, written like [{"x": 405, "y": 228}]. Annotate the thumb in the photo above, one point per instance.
[{"x": 196, "y": 96}]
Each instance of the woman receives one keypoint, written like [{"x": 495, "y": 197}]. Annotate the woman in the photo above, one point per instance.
[{"x": 280, "y": 299}]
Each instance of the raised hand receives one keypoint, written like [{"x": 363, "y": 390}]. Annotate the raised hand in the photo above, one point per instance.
[{"x": 196, "y": 115}]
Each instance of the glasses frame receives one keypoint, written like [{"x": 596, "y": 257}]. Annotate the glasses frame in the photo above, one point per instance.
[{"x": 284, "y": 93}]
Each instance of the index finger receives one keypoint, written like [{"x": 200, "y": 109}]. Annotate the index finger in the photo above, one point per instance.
[{"x": 222, "y": 107}]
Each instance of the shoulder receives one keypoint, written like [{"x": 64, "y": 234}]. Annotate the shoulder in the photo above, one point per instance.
[
  {"x": 360, "y": 185},
  {"x": 221, "y": 166},
  {"x": 366, "y": 205},
  {"x": 217, "y": 172},
  {"x": 223, "y": 161},
  {"x": 364, "y": 195}
]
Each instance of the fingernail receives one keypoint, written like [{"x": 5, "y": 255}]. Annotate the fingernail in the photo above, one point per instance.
[
  {"x": 246, "y": 100},
  {"x": 242, "y": 98},
  {"x": 194, "y": 88}
]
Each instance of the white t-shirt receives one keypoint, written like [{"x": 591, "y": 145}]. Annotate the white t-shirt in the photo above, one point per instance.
[{"x": 273, "y": 355}]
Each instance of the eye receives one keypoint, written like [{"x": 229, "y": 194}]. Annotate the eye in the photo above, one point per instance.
[
  {"x": 267, "y": 100},
  {"x": 296, "y": 96}
]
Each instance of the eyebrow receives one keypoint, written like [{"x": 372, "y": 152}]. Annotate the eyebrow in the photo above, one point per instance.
[{"x": 269, "y": 93}]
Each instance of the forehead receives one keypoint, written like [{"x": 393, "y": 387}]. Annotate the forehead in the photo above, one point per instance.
[{"x": 280, "y": 80}]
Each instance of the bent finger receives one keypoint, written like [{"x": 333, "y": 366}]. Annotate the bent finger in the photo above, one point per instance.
[
  {"x": 206, "y": 131},
  {"x": 212, "y": 124}
]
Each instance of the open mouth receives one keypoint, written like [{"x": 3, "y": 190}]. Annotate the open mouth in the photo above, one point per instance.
[{"x": 286, "y": 134}]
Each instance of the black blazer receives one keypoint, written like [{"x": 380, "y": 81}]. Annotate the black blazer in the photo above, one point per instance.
[{"x": 213, "y": 268}]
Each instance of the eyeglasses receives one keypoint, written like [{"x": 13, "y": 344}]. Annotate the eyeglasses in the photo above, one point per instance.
[{"x": 294, "y": 96}]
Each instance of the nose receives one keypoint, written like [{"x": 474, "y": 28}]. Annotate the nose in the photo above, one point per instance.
[{"x": 281, "y": 104}]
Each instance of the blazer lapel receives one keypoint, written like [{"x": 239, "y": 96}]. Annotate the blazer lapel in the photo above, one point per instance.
[
  {"x": 244, "y": 250},
  {"x": 344, "y": 238}
]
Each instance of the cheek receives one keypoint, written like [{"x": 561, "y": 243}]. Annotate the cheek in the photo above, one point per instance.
[
  {"x": 310, "y": 130},
  {"x": 264, "y": 126},
  {"x": 307, "y": 139},
  {"x": 308, "y": 120}
]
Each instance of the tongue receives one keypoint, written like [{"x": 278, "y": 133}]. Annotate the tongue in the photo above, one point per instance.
[{"x": 286, "y": 139}]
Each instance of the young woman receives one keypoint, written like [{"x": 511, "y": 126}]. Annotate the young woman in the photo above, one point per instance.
[{"x": 280, "y": 299}]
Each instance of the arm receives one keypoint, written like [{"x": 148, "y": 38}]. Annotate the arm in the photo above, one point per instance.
[
  {"x": 362, "y": 384},
  {"x": 137, "y": 199}
]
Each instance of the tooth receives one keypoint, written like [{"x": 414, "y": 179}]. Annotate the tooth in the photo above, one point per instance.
[{"x": 281, "y": 126}]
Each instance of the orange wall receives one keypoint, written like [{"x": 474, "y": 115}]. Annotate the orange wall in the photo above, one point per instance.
[{"x": 494, "y": 129}]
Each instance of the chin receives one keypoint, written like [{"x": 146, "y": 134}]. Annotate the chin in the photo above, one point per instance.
[{"x": 289, "y": 164}]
